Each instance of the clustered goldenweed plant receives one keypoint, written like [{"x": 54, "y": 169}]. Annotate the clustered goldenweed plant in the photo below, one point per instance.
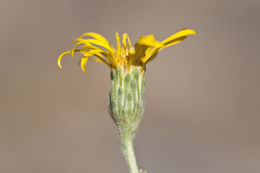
[{"x": 128, "y": 65}]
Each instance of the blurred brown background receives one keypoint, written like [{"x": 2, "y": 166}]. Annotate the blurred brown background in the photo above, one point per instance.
[{"x": 202, "y": 96}]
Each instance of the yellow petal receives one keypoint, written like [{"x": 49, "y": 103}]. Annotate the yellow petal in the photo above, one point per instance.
[
  {"x": 113, "y": 61},
  {"x": 98, "y": 59},
  {"x": 174, "y": 39},
  {"x": 178, "y": 37},
  {"x": 118, "y": 44},
  {"x": 101, "y": 59},
  {"x": 83, "y": 62},
  {"x": 129, "y": 42},
  {"x": 94, "y": 35},
  {"x": 148, "y": 40},
  {"x": 86, "y": 45},
  {"x": 91, "y": 52},
  {"x": 90, "y": 46},
  {"x": 95, "y": 53},
  {"x": 97, "y": 42},
  {"x": 139, "y": 53},
  {"x": 125, "y": 36},
  {"x": 141, "y": 47},
  {"x": 150, "y": 54},
  {"x": 73, "y": 49},
  {"x": 99, "y": 53},
  {"x": 124, "y": 40},
  {"x": 61, "y": 56}
]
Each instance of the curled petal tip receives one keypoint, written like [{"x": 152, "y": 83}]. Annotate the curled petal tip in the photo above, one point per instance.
[
  {"x": 191, "y": 31},
  {"x": 60, "y": 57},
  {"x": 59, "y": 65},
  {"x": 194, "y": 32},
  {"x": 83, "y": 69},
  {"x": 83, "y": 62},
  {"x": 59, "y": 62}
]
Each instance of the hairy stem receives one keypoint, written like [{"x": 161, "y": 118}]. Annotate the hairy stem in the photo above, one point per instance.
[{"x": 128, "y": 151}]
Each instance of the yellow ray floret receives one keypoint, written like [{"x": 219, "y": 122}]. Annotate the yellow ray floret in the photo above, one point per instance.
[{"x": 145, "y": 49}]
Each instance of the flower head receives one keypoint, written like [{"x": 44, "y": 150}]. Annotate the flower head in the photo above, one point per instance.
[
  {"x": 146, "y": 49},
  {"x": 127, "y": 63}
]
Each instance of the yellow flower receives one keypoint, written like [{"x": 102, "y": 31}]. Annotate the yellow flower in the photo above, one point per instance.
[
  {"x": 96, "y": 46},
  {"x": 127, "y": 63}
]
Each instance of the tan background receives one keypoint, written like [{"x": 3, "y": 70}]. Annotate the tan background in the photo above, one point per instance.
[{"x": 202, "y": 96}]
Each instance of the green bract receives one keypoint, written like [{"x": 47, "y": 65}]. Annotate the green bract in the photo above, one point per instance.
[{"x": 126, "y": 98}]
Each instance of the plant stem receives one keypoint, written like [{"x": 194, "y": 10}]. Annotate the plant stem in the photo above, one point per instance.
[{"x": 128, "y": 151}]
